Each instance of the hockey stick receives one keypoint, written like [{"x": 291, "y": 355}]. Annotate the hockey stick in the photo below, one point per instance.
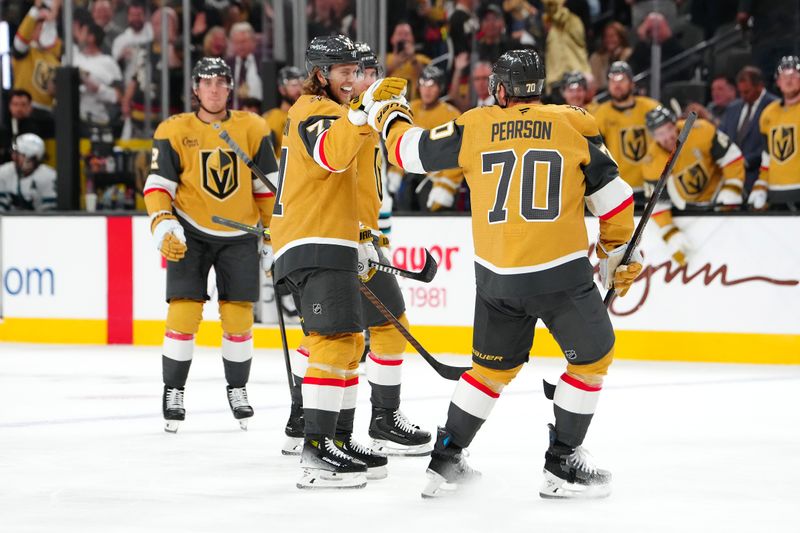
[
  {"x": 425, "y": 275},
  {"x": 244, "y": 157},
  {"x": 284, "y": 343},
  {"x": 651, "y": 203},
  {"x": 453, "y": 373}
]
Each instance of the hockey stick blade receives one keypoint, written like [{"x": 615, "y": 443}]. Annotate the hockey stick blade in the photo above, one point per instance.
[
  {"x": 425, "y": 275},
  {"x": 245, "y": 158},
  {"x": 222, "y": 221},
  {"x": 453, "y": 373},
  {"x": 651, "y": 203}
]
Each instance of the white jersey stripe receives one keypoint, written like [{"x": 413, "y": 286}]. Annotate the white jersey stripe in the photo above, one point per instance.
[{"x": 505, "y": 271}]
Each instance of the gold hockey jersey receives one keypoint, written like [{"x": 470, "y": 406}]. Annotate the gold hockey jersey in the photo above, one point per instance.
[
  {"x": 369, "y": 167},
  {"x": 530, "y": 168},
  {"x": 35, "y": 70},
  {"x": 780, "y": 162},
  {"x": 626, "y": 136},
  {"x": 430, "y": 118},
  {"x": 708, "y": 161},
  {"x": 200, "y": 176},
  {"x": 276, "y": 122},
  {"x": 315, "y": 221}
]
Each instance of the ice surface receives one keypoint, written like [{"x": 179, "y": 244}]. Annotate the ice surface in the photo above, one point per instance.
[{"x": 693, "y": 447}]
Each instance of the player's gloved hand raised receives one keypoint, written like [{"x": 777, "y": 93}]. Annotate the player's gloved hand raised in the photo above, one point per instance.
[
  {"x": 382, "y": 89},
  {"x": 168, "y": 236},
  {"x": 382, "y": 114},
  {"x": 758, "y": 196},
  {"x": 613, "y": 274},
  {"x": 267, "y": 257},
  {"x": 442, "y": 195},
  {"x": 366, "y": 253}
]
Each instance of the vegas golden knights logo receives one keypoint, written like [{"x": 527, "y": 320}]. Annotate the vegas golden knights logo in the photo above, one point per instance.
[
  {"x": 694, "y": 179},
  {"x": 378, "y": 163},
  {"x": 220, "y": 172},
  {"x": 783, "y": 143},
  {"x": 634, "y": 143},
  {"x": 42, "y": 74}
]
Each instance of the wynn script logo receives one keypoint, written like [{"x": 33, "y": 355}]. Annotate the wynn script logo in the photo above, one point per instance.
[{"x": 683, "y": 275}]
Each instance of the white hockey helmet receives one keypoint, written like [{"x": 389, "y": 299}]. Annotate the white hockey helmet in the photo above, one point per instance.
[{"x": 30, "y": 146}]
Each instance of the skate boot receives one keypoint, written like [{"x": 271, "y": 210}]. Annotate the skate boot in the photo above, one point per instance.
[
  {"x": 172, "y": 407},
  {"x": 448, "y": 468},
  {"x": 376, "y": 463},
  {"x": 326, "y": 466},
  {"x": 571, "y": 473},
  {"x": 393, "y": 434},
  {"x": 240, "y": 406},
  {"x": 294, "y": 431}
]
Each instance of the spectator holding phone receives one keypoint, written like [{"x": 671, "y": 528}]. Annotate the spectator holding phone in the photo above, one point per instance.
[{"x": 404, "y": 62}]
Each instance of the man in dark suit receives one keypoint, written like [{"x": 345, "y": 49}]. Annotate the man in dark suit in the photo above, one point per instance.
[
  {"x": 740, "y": 120},
  {"x": 20, "y": 120}
]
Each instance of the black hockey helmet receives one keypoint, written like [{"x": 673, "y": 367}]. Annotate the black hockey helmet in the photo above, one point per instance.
[
  {"x": 788, "y": 63},
  {"x": 287, "y": 73},
  {"x": 574, "y": 78},
  {"x": 325, "y": 51},
  {"x": 433, "y": 73},
  {"x": 211, "y": 67},
  {"x": 659, "y": 116},
  {"x": 620, "y": 67},
  {"x": 368, "y": 58},
  {"x": 520, "y": 71}
]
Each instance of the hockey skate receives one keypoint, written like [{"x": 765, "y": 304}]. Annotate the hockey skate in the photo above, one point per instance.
[
  {"x": 448, "y": 468},
  {"x": 393, "y": 434},
  {"x": 294, "y": 431},
  {"x": 570, "y": 473},
  {"x": 326, "y": 466},
  {"x": 376, "y": 463},
  {"x": 172, "y": 408},
  {"x": 240, "y": 406}
]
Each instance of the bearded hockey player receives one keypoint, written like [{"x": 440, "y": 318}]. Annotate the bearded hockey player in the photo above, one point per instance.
[
  {"x": 27, "y": 184},
  {"x": 193, "y": 176},
  {"x": 530, "y": 169}
]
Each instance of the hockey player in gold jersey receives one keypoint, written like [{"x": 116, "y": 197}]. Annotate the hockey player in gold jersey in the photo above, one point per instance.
[
  {"x": 708, "y": 173},
  {"x": 290, "y": 86},
  {"x": 779, "y": 177},
  {"x": 390, "y": 430},
  {"x": 530, "y": 168},
  {"x": 621, "y": 121},
  {"x": 429, "y": 111},
  {"x": 319, "y": 251},
  {"x": 193, "y": 176}
]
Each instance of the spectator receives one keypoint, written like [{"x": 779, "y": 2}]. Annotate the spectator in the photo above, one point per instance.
[
  {"x": 102, "y": 15},
  {"x": 614, "y": 47},
  {"x": 574, "y": 88},
  {"x": 404, "y": 62},
  {"x": 20, "y": 109},
  {"x": 525, "y": 20},
  {"x": 101, "y": 79},
  {"x": 566, "y": 42},
  {"x": 244, "y": 64},
  {"x": 775, "y": 29},
  {"x": 147, "y": 66},
  {"x": 36, "y": 55},
  {"x": 740, "y": 120},
  {"x": 81, "y": 19},
  {"x": 26, "y": 184},
  {"x": 329, "y": 17},
  {"x": 138, "y": 34},
  {"x": 723, "y": 93},
  {"x": 215, "y": 44},
  {"x": 493, "y": 41},
  {"x": 480, "y": 83},
  {"x": 656, "y": 27},
  {"x": 463, "y": 25}
]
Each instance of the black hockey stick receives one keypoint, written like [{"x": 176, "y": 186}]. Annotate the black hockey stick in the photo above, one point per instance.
[
  {"x": 651, "y": 203},
  {"x": 453, "y": 373},
  {"x": 284, "y": 342},
  {"x": 425, "y": 275},
  {"x": 246, "y": 158}
]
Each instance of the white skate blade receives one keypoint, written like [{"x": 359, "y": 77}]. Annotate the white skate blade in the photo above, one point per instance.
[
  {"x": 377, "y": 472},
  {"x": 171, "y": 426},
  {"x": 387, "y": 447},
  {"x": 292, "y": 446},
  {"x": 556, "y": 488},
  {"x": 437, "y": 486},
  {"x": 243, "y": 423},
  {"x": 316, "y": 478}
]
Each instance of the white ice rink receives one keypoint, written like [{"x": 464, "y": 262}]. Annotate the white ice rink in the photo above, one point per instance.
[{"x": 693, "y": 447}]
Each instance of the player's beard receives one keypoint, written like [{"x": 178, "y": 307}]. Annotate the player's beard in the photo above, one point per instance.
[{"x": 623, "y": 97}]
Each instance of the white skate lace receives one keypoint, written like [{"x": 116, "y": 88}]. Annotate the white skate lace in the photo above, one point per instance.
[
  {"x": 331, "y": 447},
  {"x": 359, "y": 448},
  {"x": 403, "y": 423},
  {"x": 582, "y": 460},
  {"x": 238, "y": 397},
  {"x": 174, "y": 399}
]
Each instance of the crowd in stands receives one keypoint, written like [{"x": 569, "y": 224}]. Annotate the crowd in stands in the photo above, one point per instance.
[{"x": 720, "y": 60}]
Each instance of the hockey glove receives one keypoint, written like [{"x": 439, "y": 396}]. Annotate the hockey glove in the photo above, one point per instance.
[
  {"x": 382, "y": 114},
  {"x": 758, "y": 196},
  {"x": 442, "y": 195},
  {"x": 614, "y": 275},
  {"x": 677, "y": 244},
  {"x": 383, "y": 89},
  {"x": 168, "y": 236},
  {"x": 729, "y": 198},
  {"x": 366, "y": 253},
  {"x": 267, "y": 257}
]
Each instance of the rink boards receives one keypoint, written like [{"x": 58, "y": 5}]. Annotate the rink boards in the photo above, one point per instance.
[{"x": 97, "y": 280}]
